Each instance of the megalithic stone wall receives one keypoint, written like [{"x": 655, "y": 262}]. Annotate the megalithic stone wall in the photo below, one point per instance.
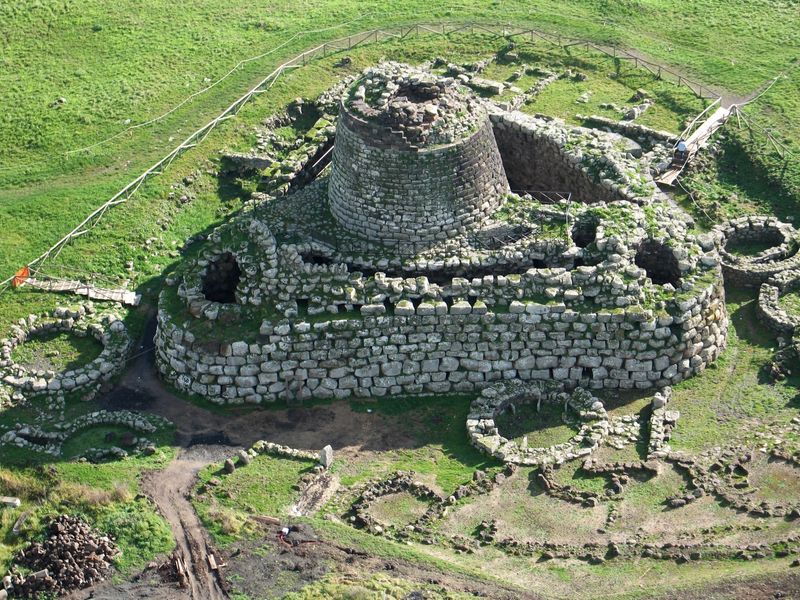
[
  {"x": 436, "y": 349},
  {"x": 543, "y": 155},
  {"x": 385, "y": 191}
]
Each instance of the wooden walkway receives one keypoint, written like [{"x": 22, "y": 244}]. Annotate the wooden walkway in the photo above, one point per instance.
[
  {"x": 697, "y": 140},
  {"x": 84, "y": 289}
]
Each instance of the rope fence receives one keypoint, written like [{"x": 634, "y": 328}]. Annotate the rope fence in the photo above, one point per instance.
[{"x": 344, "y": 44}]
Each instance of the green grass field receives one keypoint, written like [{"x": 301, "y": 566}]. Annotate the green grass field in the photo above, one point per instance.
[
  {"x": 124, "y": 68},
  {"x": 60, "y": 351},
  {"x": 543, "y": 429}
]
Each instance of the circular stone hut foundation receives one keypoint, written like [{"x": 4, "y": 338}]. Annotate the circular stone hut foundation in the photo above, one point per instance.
[{"x": 409, "y": 268}]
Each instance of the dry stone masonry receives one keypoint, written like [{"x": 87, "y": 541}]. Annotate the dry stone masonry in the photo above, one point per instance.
[
  {"x": 579, "y": 407},
  {"x": 414, "y": 160},
  {"x": 71, "y": 557},
  {"x": 36, "y": 439},
  {"x": 769, "y": 309},
  {"x": 407, "y": 266},
  {"x": 662, "y": 421},
  {"x": 750, "y": 269},
  {"x": 107, "y": 327}
]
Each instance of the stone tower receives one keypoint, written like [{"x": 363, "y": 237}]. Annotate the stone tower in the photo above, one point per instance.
[{"x": 415, "y": 159}]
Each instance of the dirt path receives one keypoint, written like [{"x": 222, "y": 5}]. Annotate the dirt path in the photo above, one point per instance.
[
  {"x": 262, "y": 574},
  {"x": 205, "y": 437},
  {"x": 309, "y": 428},
  {"x": 169, "y": 489}
]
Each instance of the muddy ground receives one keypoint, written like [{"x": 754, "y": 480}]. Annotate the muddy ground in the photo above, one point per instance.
[
  {"x": 271, "y": 567},
  {"x": 300, "y": 427}
]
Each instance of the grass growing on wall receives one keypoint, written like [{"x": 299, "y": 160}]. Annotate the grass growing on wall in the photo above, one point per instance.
[{"x": 56, "y": 351}]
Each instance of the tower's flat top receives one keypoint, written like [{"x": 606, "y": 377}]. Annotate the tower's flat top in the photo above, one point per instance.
[{"x": 428, "y": 109}]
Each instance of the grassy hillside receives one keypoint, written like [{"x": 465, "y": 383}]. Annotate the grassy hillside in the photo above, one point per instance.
[{"x": 74, "y": 73}]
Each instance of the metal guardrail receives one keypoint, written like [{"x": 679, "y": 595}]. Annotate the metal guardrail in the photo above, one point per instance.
[{"x": 339, "y": 45}]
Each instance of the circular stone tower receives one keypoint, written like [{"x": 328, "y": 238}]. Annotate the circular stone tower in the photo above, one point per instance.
[{"x": 415, "y": 159}]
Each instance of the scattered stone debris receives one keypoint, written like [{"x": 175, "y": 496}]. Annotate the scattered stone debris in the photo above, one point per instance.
[
  {"x": 72, "y": 557},
  {"x": 35, "y": 438},
  {"x": 724, "y": 473}
]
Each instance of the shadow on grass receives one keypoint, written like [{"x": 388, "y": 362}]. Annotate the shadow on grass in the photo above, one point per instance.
[
  {"x": 439, "y": 420},
  {"x": 544, "y": 428},
  {"x": 735, "y": 168}
]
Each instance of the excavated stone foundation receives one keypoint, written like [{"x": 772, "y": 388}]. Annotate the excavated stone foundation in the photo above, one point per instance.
[{"x": 408, "y": 268}]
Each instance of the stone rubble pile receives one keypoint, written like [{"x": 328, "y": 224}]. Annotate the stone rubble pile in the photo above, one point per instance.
[
  {"x": 528, "y": 96},
  {"x": 37, "y": 439},
  {"x": 72, "y": 557},
  {"x": 657, "y": 145},
  {"x": 414, "y": 106},
  {"x": 662, "y": 421}
]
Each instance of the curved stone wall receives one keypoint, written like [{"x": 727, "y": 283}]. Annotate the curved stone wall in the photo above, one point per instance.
[
  {"x": 769, "y": 310},
  {"x": 106, "y": 327},
  {"x": 755, "y": 269},
  {"x": 613, "y": 295},
  {"x": 584, "y": 409},
  {"x": 436, "y": 348},
  {"x": 414, "y": 196},
  {"x": 544, "y": 155}
]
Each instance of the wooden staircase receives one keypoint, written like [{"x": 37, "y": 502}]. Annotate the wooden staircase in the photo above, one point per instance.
[{"x": 697, "y": 139}]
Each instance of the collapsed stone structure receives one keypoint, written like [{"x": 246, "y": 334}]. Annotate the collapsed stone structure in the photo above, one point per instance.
[{"x": 409, "y": 266}]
